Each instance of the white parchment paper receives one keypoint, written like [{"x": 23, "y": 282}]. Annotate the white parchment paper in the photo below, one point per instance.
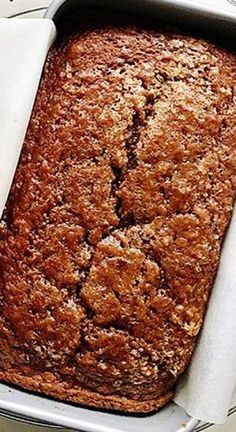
[
  {"x": 206, "y": 389},
  {"x": 24, "y": 44}
]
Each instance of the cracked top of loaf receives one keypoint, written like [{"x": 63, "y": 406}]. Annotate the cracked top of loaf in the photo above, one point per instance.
[{"x": 111, "y": 235}]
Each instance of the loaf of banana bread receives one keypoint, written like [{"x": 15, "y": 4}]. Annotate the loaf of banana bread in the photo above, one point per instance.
[{"x": 111, "y": 235}]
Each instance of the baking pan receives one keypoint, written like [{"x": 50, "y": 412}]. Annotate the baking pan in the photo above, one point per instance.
[
  {"x": 18, "y": 402},
  {"x": 203, "y": 15},
  {"x": 23, "y": 405}
]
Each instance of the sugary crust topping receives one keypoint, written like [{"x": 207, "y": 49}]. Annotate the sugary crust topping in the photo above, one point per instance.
[{"x": 111, "y": 235}]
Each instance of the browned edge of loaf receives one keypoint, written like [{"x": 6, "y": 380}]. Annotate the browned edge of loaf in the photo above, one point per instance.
[{"x": 86, "y": 397}]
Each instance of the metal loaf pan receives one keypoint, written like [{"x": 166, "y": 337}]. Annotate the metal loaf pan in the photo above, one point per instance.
[{"x": 204, "y": 15}]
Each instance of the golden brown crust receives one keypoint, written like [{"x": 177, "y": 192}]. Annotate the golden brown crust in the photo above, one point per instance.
[
  {"x": 111, "y": 236},
  {"x": 48, "y": 384}
]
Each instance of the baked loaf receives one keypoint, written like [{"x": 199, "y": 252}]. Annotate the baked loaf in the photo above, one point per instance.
[{"x": 111, "y": 235}]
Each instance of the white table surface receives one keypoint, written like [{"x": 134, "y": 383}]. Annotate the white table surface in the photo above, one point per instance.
[{"x": 36, "y": 8}]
